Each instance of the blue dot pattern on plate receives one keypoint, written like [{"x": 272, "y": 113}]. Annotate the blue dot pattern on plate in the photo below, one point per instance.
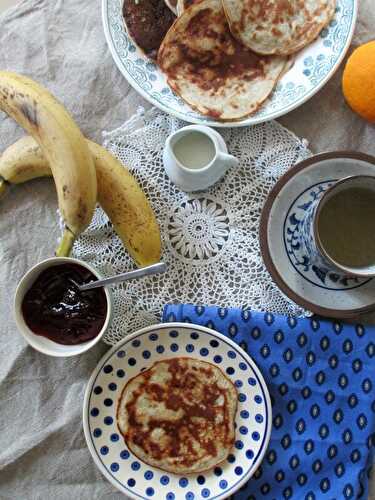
[
  {"x": 323, "y": 395},
  {"x": 209, "y": 351},
  {"x": 148, "y": 475},
  {"x": 205, "y": 352},
  {"x": 97, "y": 432},
  {"x": 223, "y": 484}
]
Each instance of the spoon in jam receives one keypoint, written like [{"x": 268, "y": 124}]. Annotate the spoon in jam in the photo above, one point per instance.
[{"x": 160, "y": 267}]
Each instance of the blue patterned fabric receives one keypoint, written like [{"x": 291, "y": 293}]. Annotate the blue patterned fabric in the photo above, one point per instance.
[{"x": 321, "y": 377}]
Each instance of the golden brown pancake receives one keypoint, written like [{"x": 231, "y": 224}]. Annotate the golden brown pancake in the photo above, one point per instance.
[
  {"x": 182, "y": 5},
  {"x": 179, "y": 415},
  {"x": 210, "y": 70},
  {"x": 278, "y": 26}
]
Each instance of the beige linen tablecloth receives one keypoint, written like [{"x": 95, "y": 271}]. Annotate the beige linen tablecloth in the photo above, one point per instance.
[{"x": 61, "y": 44}]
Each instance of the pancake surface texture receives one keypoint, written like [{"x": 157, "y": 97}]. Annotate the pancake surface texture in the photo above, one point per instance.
[
  {"x": 179, "y": 415},
  {"x": 214, "y": 73},
  {"x": 182, "y": 5},
  {"x": 278, "y": 26}
]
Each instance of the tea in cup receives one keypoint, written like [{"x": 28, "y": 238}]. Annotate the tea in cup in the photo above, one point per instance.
[{"x": 339, "y": 229}]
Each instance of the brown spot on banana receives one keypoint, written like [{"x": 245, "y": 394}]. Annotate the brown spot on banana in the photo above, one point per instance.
[
  {"x": 30, "y": 113},
  {"x": 82, "y": 211},
  {"x": 65, "y": 191}
]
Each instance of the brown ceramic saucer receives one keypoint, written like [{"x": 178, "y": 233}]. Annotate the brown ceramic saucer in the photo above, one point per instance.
[{"x": 316, "y": 289}]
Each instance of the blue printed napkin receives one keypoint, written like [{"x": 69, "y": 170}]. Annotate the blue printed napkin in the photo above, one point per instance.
[{"x": 321, "y": 376}]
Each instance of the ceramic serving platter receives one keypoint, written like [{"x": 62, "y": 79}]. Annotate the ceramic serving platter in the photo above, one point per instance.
[
  {"x": 313, "y": 67},
  {"x": 138, "y": 352},
  {"x": 294, "y": 271}
]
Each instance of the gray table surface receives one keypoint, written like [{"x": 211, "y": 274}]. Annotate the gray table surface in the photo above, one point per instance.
[{"x": 61, "y": 43}]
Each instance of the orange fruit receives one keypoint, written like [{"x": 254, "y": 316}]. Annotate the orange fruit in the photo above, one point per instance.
[{"x": 358, "y": 82}]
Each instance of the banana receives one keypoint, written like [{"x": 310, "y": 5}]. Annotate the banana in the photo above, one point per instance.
[
  {"x": 118, "y": 193},
  {"x": 63, "y": 146}
]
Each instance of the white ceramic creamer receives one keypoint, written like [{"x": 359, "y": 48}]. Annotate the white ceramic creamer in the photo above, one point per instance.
[{"x": 196, "y": 157}]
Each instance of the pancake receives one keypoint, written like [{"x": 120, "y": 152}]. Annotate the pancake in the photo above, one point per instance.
[
  {"x": 182, "y": 5},
  {"x": 278, "y": 26},
  {"x": 147, "y": 22},
  {"x": 179, "y": 415},
  {"x": 210, "y": 70}
]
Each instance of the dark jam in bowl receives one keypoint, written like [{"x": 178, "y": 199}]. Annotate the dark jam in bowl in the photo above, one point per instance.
[{"x": 54, "y": 307}]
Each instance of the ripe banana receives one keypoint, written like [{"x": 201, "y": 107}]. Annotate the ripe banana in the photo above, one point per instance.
[
  {"x": 62, "y": 144},
  {"x": 118, "y": 193}
]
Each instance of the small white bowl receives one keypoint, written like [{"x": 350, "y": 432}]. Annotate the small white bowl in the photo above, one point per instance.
[{"x": 38, "y": 342}]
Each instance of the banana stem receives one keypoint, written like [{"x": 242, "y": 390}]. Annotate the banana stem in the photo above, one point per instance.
[
  {"x": 3, "y": 187},
  {"x": 66, "y": 243}
]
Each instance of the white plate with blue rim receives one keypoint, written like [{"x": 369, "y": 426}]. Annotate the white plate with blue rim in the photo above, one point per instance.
[
  {"x": 312, "y": 69},
  {"x": 138, "y": 352}
]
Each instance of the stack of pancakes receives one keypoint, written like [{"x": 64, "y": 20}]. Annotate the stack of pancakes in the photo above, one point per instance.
[{"x": 224, "y": 57}]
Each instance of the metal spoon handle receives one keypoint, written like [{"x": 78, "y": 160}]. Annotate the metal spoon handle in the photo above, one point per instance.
[{"x": 160, "y": 267}]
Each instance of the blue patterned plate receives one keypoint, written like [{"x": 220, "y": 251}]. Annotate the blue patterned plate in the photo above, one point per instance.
[
  {"x": 313, "y": 67},
  {"x": 138, "y": 352}
]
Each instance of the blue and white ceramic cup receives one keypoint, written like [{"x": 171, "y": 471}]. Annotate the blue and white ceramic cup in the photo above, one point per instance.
[{"x": 309, "y": 229}]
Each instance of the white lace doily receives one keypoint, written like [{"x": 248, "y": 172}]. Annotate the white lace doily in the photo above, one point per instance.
[{"x": 210, "y": 239}]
